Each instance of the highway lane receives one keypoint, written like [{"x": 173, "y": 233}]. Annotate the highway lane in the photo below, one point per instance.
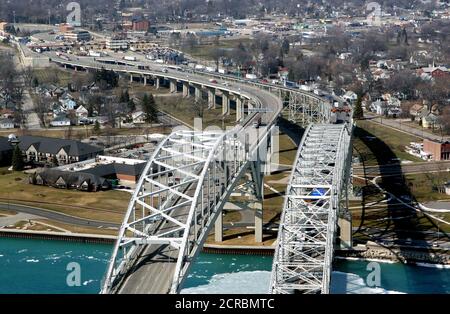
[{"x": 60, "y": 217}]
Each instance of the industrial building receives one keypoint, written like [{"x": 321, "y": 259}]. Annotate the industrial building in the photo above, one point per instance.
[{"x": 77, "y": 36}]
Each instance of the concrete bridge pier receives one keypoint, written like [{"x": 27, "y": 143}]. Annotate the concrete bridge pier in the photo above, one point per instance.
[
  {"x": 186, "y": 89},
  {"x": 345, "y": 231},
  {"x": 218, "y": 228},
  {"x": 198, "y": 93},
  {"x": 225, "y": 103},
  {"x": 145, "y": 80},
  {"x": 157, "y": 82},
  {"x": 239, "y": 108},
  {"x": 211, "y": 99},
  {"x": 173, "y": 86},
  {"x": 131, "y": 78}
]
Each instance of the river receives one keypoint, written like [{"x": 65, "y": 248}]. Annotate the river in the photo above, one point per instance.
[{"x": 40, "y": 266}]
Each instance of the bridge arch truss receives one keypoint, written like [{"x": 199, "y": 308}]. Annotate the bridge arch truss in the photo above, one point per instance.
[{"x": 314, "y": 197}]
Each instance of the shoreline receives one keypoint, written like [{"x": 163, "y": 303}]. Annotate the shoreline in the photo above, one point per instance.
[{"x": 370, "y": 252}]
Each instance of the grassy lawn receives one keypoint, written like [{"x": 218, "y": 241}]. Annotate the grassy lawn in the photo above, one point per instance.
[
  {"x": 56, "y": 75},
  {"x": 81, "y": 132},
  {"x": 287, "y": 150},
  {"x": 376, "y": 144},
  {"x": 183, "y": 110},
  {"x": 104, "y": 206},
  {"x": 422, "y": 186},
  {"x": 204, "y": 51}
]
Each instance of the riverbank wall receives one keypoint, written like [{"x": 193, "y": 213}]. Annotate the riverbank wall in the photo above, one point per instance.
[{"x": 370, "y": 251}]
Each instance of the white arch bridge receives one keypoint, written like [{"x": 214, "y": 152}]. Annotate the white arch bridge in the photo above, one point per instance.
[{"x": 191, "y": 175}]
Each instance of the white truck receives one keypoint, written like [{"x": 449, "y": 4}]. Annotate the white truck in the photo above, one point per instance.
[
  {"x": 250, "y": 76},
  {"x": 129, "y": 58}
]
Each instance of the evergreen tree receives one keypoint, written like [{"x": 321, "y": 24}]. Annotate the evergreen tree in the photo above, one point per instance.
[
  {"x": 96, "y": 127},
  {"x": 124, "y": 96},
  {"x": 35, "y": 82},
  {"x": 17, "y": 159},
  {"x": 131, "y": 105},
  {"x": 55, "y": 161},
  {"x": 149, "y": 108},
  {"x": 357, "y": 110}
]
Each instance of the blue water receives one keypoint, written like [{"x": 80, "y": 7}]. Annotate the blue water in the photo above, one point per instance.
[{"x": 39, "y": 266}]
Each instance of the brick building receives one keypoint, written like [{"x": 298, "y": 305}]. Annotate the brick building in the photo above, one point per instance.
[{"x": 439, "y": 150}]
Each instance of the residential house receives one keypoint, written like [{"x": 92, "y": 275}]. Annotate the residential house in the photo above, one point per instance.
[
  {"x": 138, "y": 117},
  {"x": 378, "y": 106},
  {"x": 69, "y": 180},
  {"x": 81, "y": 112},
  {"x": 67, "y": 104},
  {"x": 6, "y": 124},
  {"x": 433, "y": 71},
  {"x": 60, "y": 121},
  {"x": 350, "y": 96},
  {"x": 6, "y": 113},
  {"x": 416, "y": 111},
  {"x": 42, "y": 150}
]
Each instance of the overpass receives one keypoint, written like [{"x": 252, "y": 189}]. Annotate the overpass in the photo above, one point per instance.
[{"x": 191, "y": 175}]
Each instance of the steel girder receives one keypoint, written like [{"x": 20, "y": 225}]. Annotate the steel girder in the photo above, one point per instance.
[
  {"x": 304, "y": 251},
  {"x": 305, "y": 109},
  {"x": 182, "y": 190}
]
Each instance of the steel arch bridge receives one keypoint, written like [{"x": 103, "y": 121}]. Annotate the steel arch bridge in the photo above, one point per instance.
[
  {"x": 181, "y": 192},
  {"x": 317, "y": 188}
]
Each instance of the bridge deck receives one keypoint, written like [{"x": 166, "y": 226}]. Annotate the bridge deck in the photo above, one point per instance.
[{"x": 303, "y": 255}]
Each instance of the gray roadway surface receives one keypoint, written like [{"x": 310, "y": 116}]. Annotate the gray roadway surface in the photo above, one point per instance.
[
  {"x": 51, "y": 215},
  {"x": 153, "y": 269}
]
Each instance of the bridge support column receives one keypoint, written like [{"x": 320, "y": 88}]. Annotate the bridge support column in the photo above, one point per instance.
[
  {"x": 225, "y": 103},
  {"x": 145, "y": 80},
  {"x": 198, "y": 93},
  {"x": 157, "y": 82},
  {"x": 173, "y": 86},
  {"x": 211, "y": 99},
  {"x": 186, "y": 90},
  {"x": 345, "y": 231},
  {"x": 239, "y": 108},
  {"x": 218, "y": 228},
  {"x": 258, "y": 206},
  {"x": 131, "y": 78}
]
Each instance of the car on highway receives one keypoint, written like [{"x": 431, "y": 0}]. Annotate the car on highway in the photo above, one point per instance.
[
  {"x": 165, "y": 70},
  {"x": 213, "y": 81}
]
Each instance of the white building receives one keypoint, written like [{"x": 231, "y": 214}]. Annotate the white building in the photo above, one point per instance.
[
  {"x": 115, "y": 43},
  {"x": 81, "y": 112},
  {"x": 6, "y": 124},
  {"x": 60, "y": 121},
  {"x": 138, "y": 117}
]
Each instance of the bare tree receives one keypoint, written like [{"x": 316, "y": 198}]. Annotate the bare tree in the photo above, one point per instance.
[{"x": 41, "y": 107}]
